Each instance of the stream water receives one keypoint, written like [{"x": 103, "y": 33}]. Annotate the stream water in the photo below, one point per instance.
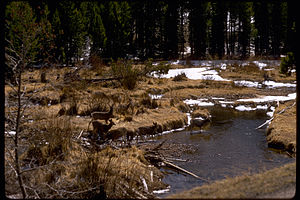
[{"x": 230, "y": 146}]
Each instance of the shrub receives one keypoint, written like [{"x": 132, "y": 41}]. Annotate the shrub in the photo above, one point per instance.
[
  {"x": 96, "y": 63},
  {"x": 160, "y": 68},
  {"x": 287, "y": 64},
  {"x": 126, "y": 74}
]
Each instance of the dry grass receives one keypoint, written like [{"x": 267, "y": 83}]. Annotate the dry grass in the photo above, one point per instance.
[
  {"x": 282, "y": 130},
  {"x": 61, "y": 168},
  {"x": 252, "y": 72},
  {"x": 166, "y": 118},
  {"x": 246, "y": 186},
  {"x": 66, "y": 169}
]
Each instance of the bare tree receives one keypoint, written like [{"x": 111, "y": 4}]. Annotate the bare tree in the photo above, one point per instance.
[{"x": 21, "y": 39}]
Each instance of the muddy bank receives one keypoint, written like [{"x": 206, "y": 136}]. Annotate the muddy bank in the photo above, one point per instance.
[{"x": 281, "y": 132}]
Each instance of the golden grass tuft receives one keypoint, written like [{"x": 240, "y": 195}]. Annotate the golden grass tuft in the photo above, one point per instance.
[{"x": 281, "y": 132}]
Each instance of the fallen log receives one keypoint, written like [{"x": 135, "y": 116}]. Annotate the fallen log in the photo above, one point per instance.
[
  {"x": 155, "y": 159},
  {"x": 183, "y": 170}
]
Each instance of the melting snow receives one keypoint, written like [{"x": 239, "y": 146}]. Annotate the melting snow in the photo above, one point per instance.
[
  {"x": 273, "y": 84},
  {"x": 271, "y": 98},
  {"x": 203, "y": 73},
  {"x": 244, "y": 108},
  {"x": 246, "y": 83},
  {"x": 198, "y": 102},
  {"x": 155, "y": 96}
]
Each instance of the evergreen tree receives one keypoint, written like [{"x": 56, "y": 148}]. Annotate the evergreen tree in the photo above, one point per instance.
[
  {"x": 46, "y": 39},
  {"x": 171, "y": 26},
  {"x": 95, "y": 27},
  {"x": 218, "y": 22},
  {"x": 59, "y": 52},
  {"x": 117, "y": 23},
  {"x": 261, "y": 14},
  {"x": 198, "y": 28},
  {"x": 244, "y": 30}
]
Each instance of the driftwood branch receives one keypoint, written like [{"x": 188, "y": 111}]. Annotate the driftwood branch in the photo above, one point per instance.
[
  {"x": 156, "y": 159},
  {"x": 183, "y": 170},
  {"x": 268, "y": 121}
]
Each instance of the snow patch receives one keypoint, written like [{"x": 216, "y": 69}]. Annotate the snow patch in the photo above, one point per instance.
[
  {"x": 246, "y": 83},
  {"x": 202, "y": 73},
  {"x": 272, "y": 84},
  {"x": 270, "y": 98},
  {"x": 244, "y": 108},
  {"x": 155, "y": 96},
  {"x": 198, "y": 102}
]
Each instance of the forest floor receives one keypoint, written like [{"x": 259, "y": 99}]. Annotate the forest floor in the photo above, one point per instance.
[{"x": 59, "y": 110}]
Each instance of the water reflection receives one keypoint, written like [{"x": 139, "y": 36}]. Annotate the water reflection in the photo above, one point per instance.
[{"x": 230, "y": 146}]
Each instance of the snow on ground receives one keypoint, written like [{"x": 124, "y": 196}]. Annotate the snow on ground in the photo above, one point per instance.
[
  {"x": 264, "y": 99},
  {"x": 272, "y": 84},
  {"x": 223, "y": 63},
  {"x": 203, "y": 73},
  {"x": 270, "y": 98},
  {"x": 269, "y": 84},
  {"x": 248, "y": 108},
  {"x": 247, "y": 83},
  {"x": 155, "y": 96},
  {"x": 244, "y": 108},
  {"x": 199, "y": 102}
]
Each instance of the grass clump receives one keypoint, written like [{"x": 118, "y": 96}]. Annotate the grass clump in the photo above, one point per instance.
[{"x": 125, "y": 73}]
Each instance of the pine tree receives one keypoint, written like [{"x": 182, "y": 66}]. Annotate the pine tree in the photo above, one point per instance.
[
  {"x": 262, "y": 26},
  {"x": 96, "y": 29},
  {"x": 171, "y": 24},
  {"x": 198, "y": 28},
  {"x": 218, "y": 22},
  {"x": 244, "y": 29}
]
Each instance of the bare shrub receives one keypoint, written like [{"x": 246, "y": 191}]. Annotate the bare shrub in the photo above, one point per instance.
[
  {"x": 126, "y": 73},
  {"x": 97, "y": 64}
]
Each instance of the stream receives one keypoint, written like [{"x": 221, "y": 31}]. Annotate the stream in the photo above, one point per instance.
[{"x": 228, "y": 147}]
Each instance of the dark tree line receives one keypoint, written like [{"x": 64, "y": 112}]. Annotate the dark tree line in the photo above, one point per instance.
[{"x": 161, "y": 29}]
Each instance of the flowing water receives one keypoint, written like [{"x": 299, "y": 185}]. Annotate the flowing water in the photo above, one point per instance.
[{"x": 230, "y": 146}]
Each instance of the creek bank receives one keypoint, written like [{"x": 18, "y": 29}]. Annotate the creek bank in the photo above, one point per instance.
[
  {"x": 281, "y": 133},
  {"x": 166, "y": 119},
  {"x": 247, "y": 186}
]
